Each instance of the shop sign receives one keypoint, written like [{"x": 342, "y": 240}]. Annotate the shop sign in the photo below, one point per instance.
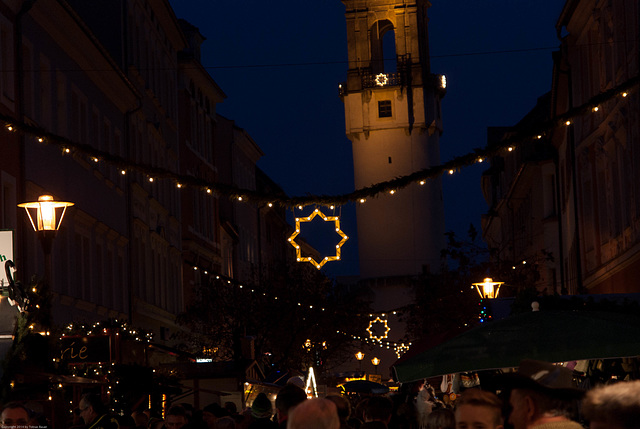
[{"x": 85, "y": 349}]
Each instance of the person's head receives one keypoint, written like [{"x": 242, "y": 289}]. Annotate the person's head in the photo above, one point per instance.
[
  {"x": 360, "y": 407},
  {"x": 378, "y": 408},
  {"x": 616, "y": 406},
  {"x": 155, "y": 423},
  {"x": 225, "y": 422},
  {"x": 14, "y": 414},
  {"x": 530, "y": 405},
  {"x": 140, "y": 418},
  {"x": 231, "y": 408},
  {"x": 539, "y": 390},
  {"x": 288, "y": 397},
  {"x": 91, "y": 407},
  {"x": 441, "y": 418},
  {"x": 211, "y": 413},
  {"x": 126, "y": 422},
  {"x": 343, "y": 406},
  {"x": 176, "y": 417},
  {"x": 315, "y": 413},
  {"x": 296, "y": 380},
  {"x": 478, "y": 408},
  {"x": 261, "y": 407}
]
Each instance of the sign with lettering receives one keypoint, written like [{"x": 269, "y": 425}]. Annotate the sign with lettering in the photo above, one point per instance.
[
  {"x": 6, "y": 253},
  {"x": 88, "y": 349},
  {"x": 377, "y": 378}
]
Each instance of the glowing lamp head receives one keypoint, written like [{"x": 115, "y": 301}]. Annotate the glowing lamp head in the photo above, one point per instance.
[
  {"x": 488, "y": 289},
  {"x": 375, "y": 361},
  {"x": 360, "y": 355},
  {"x": 48, "y": 213}
]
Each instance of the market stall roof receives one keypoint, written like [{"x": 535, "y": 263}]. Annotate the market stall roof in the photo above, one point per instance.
[{"x": 552, "y": 336}]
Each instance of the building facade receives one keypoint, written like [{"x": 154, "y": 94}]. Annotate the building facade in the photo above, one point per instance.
[
  {"x": 578, "y": 198},
  {"x": 124, "y": 108}
]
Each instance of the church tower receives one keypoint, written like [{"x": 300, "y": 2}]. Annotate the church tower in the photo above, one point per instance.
[{"x": 392, "y": 113}]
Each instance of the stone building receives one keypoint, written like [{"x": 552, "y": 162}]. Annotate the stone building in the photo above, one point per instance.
[
  {"x": 122, "y": 83},
  {"x": 568, "y": 197}
]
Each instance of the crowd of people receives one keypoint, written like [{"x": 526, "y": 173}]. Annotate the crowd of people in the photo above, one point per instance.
[{"x": 539, "y": 395}]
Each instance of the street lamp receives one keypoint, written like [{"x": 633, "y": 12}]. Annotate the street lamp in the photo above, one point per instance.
[
  {"x": 375, "y": 361},
  {"x": 488, "y": 289},
  {"x": 48, "y": 215},
  {"x": 360, "y": 356}
]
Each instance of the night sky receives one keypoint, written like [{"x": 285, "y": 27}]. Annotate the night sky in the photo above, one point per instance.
[{"x": 280, "y": 63}]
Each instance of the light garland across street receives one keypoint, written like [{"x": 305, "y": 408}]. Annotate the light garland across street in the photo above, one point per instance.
[{"x": 152, "y": 173}]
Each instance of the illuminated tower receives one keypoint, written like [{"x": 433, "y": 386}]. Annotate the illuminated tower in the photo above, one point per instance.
[{"x": 392, "y": 113}]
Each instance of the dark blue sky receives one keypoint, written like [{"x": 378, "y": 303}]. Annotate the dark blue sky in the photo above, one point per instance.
[{"x": 280, "y": 63}]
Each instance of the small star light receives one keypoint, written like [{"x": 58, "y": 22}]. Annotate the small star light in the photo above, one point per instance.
[
  {"x": 384, "y": 324},
  {"x": 401, "y": 348},
  {"x": 310, "y": 259},
  {"x": 382, "y": 79}
]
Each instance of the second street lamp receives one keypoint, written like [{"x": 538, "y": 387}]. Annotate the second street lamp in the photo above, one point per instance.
[
  {"x": 488, "y": 289},
  {"x": 359, "y": 356},
  {"x": 375, "y": 361}
]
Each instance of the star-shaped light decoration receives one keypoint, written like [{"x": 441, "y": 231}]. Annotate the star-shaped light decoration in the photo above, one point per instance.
[
  {"x": 310, "y": 259},
  {"x": 401, "y": 348},
  {"x": 382, "y": 79},
  {"x": 385, "y": 327}
]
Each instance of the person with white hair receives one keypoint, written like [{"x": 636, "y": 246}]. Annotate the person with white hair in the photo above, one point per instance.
[
  {"x": 314, "y": 413},
  {"x": 614, "y": 406}
]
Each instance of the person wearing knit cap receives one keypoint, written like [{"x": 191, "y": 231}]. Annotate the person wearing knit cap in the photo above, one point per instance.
[
  {"x": 296, "y": 380},
  {"x": 261, "y": 412}
]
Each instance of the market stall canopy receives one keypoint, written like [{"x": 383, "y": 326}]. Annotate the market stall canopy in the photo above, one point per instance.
[
  {"x": 365, "y": 386},
  {"x": 552, "y": 336}
]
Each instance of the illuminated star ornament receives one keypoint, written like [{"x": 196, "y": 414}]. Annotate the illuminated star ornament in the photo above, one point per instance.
[
  {"x": 385, "y": 326},
  {"x": 310, "y": 259},
  {"x": 382, "y": 79}
]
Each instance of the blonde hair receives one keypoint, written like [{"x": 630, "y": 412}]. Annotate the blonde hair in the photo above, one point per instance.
[{"x": 482, "y": 398}]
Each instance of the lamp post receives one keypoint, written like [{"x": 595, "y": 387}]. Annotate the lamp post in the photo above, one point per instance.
[
  {"x": 48, "y": 215},
  {"x": 359, "y": 356},
  {"x": 375, "y": 361},
  {"x": 488, "y": 289}
]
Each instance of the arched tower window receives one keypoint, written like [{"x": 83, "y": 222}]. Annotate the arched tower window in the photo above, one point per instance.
[{"x": 383, "y": 47}]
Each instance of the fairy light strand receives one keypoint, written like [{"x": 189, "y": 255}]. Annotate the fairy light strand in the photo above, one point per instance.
[{"x": 360, "y": 195}]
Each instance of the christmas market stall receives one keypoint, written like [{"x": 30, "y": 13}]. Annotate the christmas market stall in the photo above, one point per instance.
[{"x": 552, "y": 336}]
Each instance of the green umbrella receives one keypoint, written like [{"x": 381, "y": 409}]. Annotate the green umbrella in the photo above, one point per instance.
[{"x": 552, "y": 336}]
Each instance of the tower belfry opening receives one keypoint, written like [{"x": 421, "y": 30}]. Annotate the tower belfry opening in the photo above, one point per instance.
[{"x": 383, "y": 47}]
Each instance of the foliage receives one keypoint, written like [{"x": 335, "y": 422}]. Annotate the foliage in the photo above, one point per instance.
[
  {"x": 444, "y": 301},
  {"x": 447, "y": 302},
  {"x": 30, "y": 352},
  {"x": 279, "y": 315}
]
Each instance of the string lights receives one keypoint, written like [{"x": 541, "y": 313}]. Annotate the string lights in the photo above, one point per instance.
[
  {"x": 360, "y": 195},
  {"x": 398, "y": 347}
]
